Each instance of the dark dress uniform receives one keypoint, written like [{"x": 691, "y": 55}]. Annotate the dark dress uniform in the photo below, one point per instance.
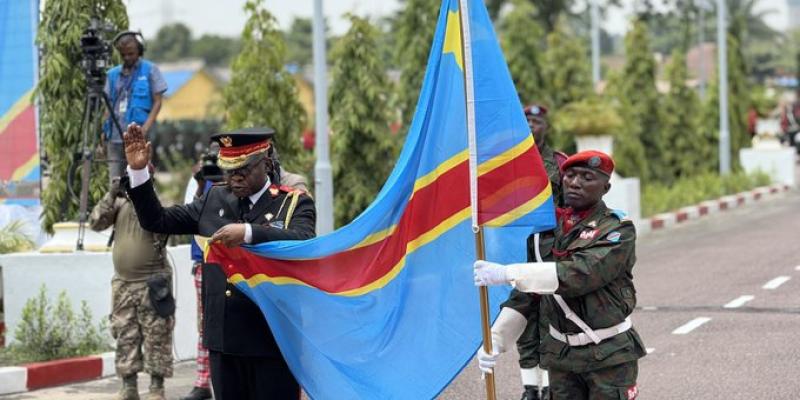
[{"x": 246, "y": 363}]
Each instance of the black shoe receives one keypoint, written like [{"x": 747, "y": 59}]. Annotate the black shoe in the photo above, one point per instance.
[
  {"x": 530, "y": 393},
  {"x": 198, "y": 393}
]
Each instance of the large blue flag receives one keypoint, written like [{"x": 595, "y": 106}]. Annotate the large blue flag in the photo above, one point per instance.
[{"x": 385, "y": 307}]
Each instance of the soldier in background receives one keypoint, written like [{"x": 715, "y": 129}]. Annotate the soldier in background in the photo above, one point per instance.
[
  {"x": 539, "y": 125},
  {"x": 142, "y": 305},
  {"x": 590, "y": 349},
  {"x": 534, "y": 379}
]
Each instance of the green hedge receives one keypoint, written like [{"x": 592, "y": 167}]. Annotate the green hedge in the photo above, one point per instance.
[{"x": 657, "y": 198}]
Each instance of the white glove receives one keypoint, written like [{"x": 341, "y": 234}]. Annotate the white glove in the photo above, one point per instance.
[
  {"x": 486, "y": 362},
  {"x": 489, "y": 274}
]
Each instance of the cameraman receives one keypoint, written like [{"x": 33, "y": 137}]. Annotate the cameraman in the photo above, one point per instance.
[{"x": 135, "y": 89}]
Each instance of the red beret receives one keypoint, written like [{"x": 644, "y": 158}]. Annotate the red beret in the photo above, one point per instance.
[
  {"x": 535, "y": 110},
  {"x": 593, "y": 159}
]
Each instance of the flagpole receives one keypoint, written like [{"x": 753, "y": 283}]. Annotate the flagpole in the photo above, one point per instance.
[
  {"x": 480, "y": 252},
  {"x": 486, "y": 328}
]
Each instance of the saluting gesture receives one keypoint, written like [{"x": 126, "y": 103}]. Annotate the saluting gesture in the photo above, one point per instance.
[{"x": 137, "y": 148}]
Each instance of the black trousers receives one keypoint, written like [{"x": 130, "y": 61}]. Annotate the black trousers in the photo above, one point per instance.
[{"x": 251, "y": 378}]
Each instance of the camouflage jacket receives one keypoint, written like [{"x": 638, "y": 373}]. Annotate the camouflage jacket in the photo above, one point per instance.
[
  {"x": 553, "y": 172},
  {"x": 594, "y": 263}
]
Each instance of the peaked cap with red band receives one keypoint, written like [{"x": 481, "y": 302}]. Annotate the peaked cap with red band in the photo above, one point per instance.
[
  {"x": 596, "y": 160},
  {"x": 238, "y": 148}
]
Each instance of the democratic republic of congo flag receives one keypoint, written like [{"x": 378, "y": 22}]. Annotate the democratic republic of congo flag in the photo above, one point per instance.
[
  {"x": 19, "y": 154},
  {"x": 385, "y": 307}
]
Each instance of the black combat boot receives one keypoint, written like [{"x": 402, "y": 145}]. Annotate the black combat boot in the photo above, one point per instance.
[
  {"x": 531, "y": 393},
  {"x": 156, "y": 391},
  {"x": 198, "y": 393},
  {"x": 129, "y": 389}
]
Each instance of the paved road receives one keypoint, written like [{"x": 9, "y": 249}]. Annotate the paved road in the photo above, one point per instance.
[{"x": 685, "y": 277}]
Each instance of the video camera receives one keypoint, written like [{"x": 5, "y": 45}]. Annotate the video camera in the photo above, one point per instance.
[
  {"x": 96, "y": 52},
  {"x": 209, "y": 170}
]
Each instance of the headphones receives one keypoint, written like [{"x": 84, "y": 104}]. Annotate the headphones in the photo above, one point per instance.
[{"x": 136, "y": 36}]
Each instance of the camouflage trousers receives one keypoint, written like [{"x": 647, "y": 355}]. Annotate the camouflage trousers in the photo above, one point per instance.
[
  {"x": 617, "y": 382},
  {"x": 144, "y": 339}
]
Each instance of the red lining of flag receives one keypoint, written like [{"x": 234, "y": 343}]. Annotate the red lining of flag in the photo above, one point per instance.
[
  {"x": 18, "y": 142},
  {"x": 429, "y": 206}
]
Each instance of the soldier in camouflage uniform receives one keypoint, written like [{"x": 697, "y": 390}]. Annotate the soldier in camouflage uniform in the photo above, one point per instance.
[
  {"x": 535, "y": 379},
  {"x": 590, "y": 348},
  {"x": 142, "y": 305}
]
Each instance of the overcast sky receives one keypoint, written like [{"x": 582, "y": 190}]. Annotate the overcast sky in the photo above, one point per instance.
[{"x": 227, "y": 17}]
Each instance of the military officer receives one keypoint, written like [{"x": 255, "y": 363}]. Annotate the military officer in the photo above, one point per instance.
[
  {"x": 539, "y": 125},
  {"x": 590, "y": 348},
  {"x": 534, "y": 379},
  {"x": 245, "y": 360}
]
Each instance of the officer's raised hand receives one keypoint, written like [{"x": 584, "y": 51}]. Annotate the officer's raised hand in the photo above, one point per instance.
[
  {"x": 137, "y": 148},
  {"x": 230, "y": 235}
]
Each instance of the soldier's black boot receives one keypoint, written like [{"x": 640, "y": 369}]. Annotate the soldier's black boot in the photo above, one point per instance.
[
  {"x": 129, "y": 389},
  {"x": 198, "y": 393},
  {"x": 156, "y": 391},
  {"x": 530, "y": 393}
]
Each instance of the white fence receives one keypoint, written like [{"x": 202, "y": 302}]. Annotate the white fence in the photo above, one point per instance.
[{"x": 87, "y": 276}]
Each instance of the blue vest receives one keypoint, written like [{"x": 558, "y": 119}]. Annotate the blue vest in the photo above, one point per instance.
[{"x": 140, "y": 100}]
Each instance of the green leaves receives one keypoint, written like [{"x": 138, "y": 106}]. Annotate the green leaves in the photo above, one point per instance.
[
  {"x": 48, "y": 332},
  {"x": 60, "y": 92},
  {"x": 522, "y": 40},
  {"x": 364, "y": 149},
  {"x": 262, "y": 93}
]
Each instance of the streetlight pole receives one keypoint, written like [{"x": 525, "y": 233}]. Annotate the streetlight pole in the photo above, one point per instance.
[
  {"x": 595, "y": 17},
  {"x": 722, "y": 56},
  {"x": 323, "y": 177}
]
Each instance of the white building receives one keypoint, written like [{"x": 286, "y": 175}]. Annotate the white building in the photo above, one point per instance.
[{"x": 794, "y": 13}]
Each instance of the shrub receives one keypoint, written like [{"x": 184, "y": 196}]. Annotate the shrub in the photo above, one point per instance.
[
  {"x": 658, "y": 198},
  {"x": 49, "y": 333},
  {"x": 589, "y": 117},
  {"x": 13, "y": 240}
]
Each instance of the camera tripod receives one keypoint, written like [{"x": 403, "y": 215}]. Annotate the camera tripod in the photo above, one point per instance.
[{"x": 96, "y": 101}]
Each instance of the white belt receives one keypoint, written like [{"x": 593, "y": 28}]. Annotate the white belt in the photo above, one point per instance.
[{"x": 582, "y": 339}]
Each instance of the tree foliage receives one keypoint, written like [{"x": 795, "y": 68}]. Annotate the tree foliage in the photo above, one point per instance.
[
  {"x": 738, "y": 103},
  {"x": 567, "y": 78},
  {"x": 414, "y": 28},
  {"x": 300, "y": 42},
  {"x": 364, "y": 150},
  {"x": 261, "y": 92},
  {"x": 566, "y": 68},
  {"x": 61, "y": 94},
  {"x": 522, "y": 41},
  {"x": 688, "y": 152},
  {"x": 215, "y": 50},
  {"x": 173, "y": 42},
  {"x": 640, "y": 103}
]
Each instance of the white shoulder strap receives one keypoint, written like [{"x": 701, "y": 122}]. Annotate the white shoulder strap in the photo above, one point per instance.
[{"x": 563, "y": 304}]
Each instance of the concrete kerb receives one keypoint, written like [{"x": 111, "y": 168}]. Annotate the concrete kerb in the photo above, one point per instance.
[
  {"x": 709, "y": 207},
  {"x": 54, "y": 373}
]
